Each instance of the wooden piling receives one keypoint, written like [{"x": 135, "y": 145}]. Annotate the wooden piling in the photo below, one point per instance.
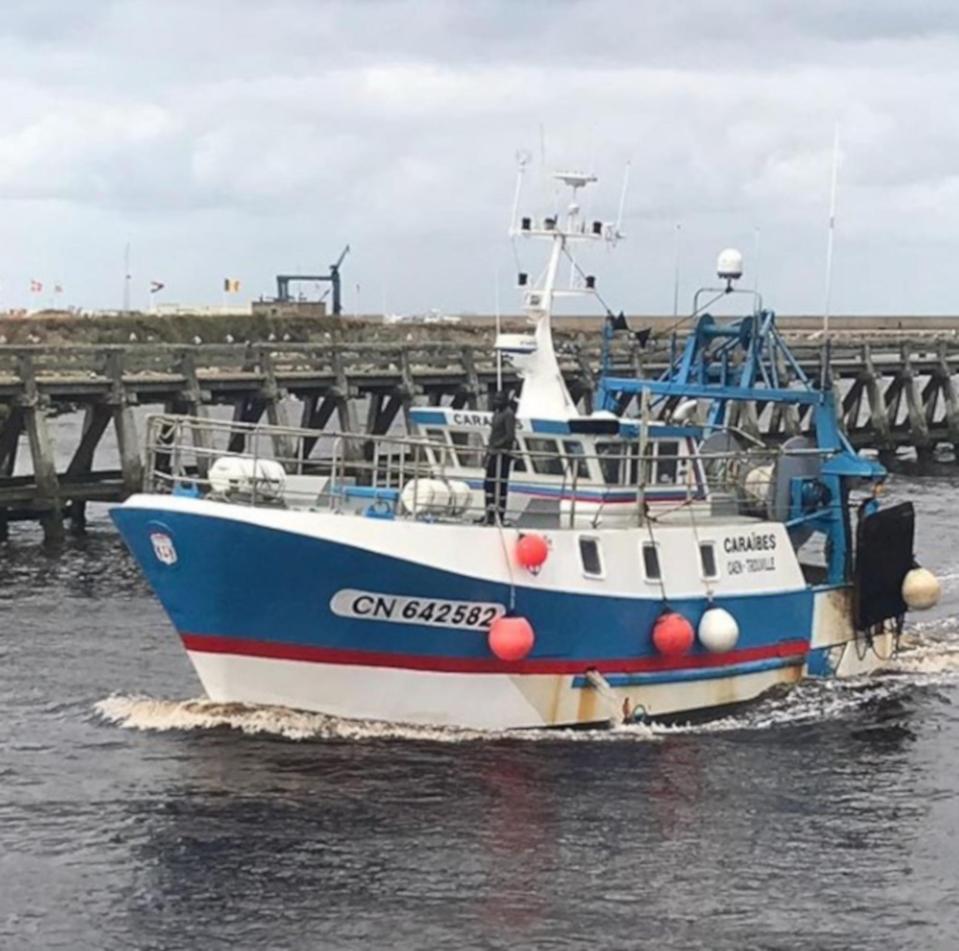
[
  {"x": 192, "y": 402},
  {"x": 879, "y": 416},
  {"x": 918, "y": 427},
  {"x": 47, "y": 496},
  {"x": 907, "y": 398}
]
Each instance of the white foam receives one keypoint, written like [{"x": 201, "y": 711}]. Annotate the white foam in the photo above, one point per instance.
[
  {"x": 930, "y": 657},
  {"x": 151, "y": 714},
  {"x": 923, "y": 661}
]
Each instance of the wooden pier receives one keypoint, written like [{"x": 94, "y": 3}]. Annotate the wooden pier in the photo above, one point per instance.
[{"x": 895, "y": 392}]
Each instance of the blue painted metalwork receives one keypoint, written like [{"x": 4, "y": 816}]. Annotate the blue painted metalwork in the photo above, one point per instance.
[{"x": 740, "y": 361}]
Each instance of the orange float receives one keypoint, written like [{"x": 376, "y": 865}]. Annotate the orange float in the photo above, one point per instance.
[
  {"x": 531, "y": 551},
  {"x": 511, "y": 638},
  {"x": 673, "y": 635}
]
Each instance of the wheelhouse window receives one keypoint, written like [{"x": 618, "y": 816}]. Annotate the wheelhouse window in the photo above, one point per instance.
[
  {"x": 469, "y": 448},
  {"x": 667, "y": 462},
  {"x": 610, "y": 461},
  {"x": 439, "y": 454},
  {"x": 590, "y": 557},
  {"x": 619, "y": 462},
  {"x": 707, "y": 560},
  {"x": 651, "y": 562},
  {"x": 576, "y": 458},
  {"x": 544, "y": 456}
]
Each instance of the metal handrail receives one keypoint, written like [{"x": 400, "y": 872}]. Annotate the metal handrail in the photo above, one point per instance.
[{"x": 391, "y": 462}]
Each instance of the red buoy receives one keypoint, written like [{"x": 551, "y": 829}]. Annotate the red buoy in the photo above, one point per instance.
[
  {"x": 673, "y": 635},
  {"x": 531, "y": 551},
  {"x": 511, "y": 638}
]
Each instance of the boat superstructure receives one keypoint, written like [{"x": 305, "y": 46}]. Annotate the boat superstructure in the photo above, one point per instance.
[{"x": 663, "y": 568}]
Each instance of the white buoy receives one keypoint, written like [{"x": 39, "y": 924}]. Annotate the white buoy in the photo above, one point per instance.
[
  {"x": 425, "y": 497},
  {"x": 718, "y": 630},
  {"x": 921, "y": 589},
  {"x": 461, "y": 496},
  {"x": 243, "y": 475}
]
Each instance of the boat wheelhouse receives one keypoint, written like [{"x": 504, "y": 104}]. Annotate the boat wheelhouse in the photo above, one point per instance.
[{"x": 591, "y": 461}]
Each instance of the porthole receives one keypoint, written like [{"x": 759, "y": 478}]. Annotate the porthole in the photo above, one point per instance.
[
  {"x": 707, "y": 560},
  {"x": 651, "y": 562},
  {"x": 590, "y": 557}
]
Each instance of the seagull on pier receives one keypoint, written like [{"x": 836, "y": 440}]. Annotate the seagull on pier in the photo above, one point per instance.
[
  {"x": 228, "y": 338},
  {"x": 198, "y": 340},
  {"x": 287, "y": 338},
  {"x": 272, "y": 337},
  {"x": 133, "y": 337}
]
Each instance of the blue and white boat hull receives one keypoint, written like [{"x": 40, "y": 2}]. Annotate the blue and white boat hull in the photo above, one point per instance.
[{"x": 386, "y": 620}]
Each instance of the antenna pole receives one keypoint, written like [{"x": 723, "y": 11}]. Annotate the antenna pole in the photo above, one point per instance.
[
  {"x": 544, "y": 177},
  {"x": 829, "y": 246},
  {"x": 756, "y": 258},
  {"x": 499, "y": 355},
  {"x": 622, "y": 199},
  {"x": 521, "y": 168},
  {"x": 126, "y": 278},
  {"x": 679, "y": 232}
]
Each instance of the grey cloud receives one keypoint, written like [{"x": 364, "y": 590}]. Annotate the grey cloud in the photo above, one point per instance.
[{"x": 242, "y": 137}]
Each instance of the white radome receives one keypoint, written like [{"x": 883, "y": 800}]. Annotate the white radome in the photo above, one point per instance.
[
  {"x": 729, "y": 265},
  {"x": 718, "y": 630},
  {"x": 921, "y": 589}
]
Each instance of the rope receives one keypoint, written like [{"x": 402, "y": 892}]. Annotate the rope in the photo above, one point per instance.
[
  {"x": 694, "y": 314},
  {"x": 659, "y": 564},
  {"x": 509, "y": 566},
  {"x": 699, "y": 550}
]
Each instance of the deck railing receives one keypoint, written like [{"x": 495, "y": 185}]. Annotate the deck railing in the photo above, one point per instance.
[{"x": 396, "y": 475}]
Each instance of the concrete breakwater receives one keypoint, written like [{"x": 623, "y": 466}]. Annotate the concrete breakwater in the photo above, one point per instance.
[{"x": 896, "y": 391}]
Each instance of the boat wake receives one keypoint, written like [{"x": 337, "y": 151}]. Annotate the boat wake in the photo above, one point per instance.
[
  {"x": 930, "y": 658},
  {"x": 152, "y": 715}
]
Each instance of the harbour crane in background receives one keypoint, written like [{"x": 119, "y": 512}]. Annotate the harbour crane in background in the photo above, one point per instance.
[{"x": 283, "y": 282}]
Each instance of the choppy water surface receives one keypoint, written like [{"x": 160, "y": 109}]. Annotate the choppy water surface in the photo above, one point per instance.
[{"x": 135, "y": 815}]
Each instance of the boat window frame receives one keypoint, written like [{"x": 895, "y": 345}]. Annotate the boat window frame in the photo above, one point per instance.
[
  {"x": 605, "y": 458},
  {"x": 539, "y": 457},
  {"x": 576, "y": 463},
  {"x": 653, "y": 547},
  {"x": 473, "y": 447},
  {"x": 710, "y": 545},
  {"x": 600, "y": 572},
  {"x": 436, "y": 435},
  {"x": 672, "y": 459}
]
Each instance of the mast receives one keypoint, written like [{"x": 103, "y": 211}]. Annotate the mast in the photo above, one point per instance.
[
  {"x": 829, "y": 245},
  {"x": 544, "y": 394}
]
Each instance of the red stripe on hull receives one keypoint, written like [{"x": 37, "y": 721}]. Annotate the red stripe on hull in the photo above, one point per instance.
[{"x": 207, "y": 644}]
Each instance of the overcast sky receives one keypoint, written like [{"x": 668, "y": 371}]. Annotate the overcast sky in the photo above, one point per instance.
[{"x": 241, "y": 138}]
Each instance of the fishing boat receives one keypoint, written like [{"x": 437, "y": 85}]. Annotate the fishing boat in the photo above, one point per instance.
[{"x": 655, "y": 559}]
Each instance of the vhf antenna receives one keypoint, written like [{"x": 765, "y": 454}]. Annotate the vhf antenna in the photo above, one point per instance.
[{"x": 829, "y": 246}]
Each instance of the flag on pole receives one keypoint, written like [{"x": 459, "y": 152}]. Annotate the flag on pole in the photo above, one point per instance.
[
  {"x": 156, "y": 286},
  {"x": 231, "y": 285},
  {"x": 36, "y": 287}
]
